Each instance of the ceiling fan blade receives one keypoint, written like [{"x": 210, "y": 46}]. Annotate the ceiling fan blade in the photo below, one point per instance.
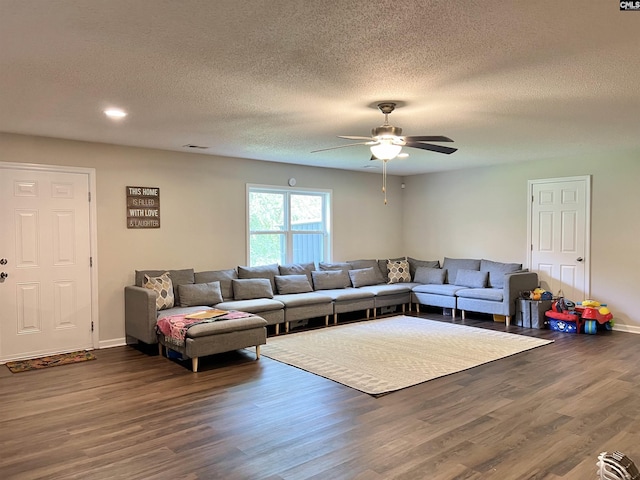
[
  {"x": 427, "y": 138},
  {"x": 433, "y": 148},
  {"x": 341, "y": 146},
  {"x": 354, "y": 137}
]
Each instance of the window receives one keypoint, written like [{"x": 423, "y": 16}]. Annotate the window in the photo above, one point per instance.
[{"x": 287, "y": 225}]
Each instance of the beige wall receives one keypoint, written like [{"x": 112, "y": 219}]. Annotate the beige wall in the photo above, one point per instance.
[
  {"x": 482, "y": 213},
  {"x": 469, "y": 213},
  {"x": 202, "y": 210}
]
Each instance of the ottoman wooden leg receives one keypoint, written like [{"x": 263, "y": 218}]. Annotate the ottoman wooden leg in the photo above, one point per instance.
[
  {"x": 257, "y": 352},
  {"x": 194, "y": 364},
  {"x": 160, "y": 350}
]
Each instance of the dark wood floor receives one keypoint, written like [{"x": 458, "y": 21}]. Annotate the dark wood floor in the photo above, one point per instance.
[{"x": 542, "y": 414}]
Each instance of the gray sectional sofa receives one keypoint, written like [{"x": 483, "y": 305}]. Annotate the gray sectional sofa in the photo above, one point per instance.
[
  {"x": 282, "y": 294},
  {"x": 474, "y": 285}
]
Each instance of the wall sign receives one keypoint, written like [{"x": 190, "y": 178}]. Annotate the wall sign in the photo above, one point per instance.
[{"x": 143, "y": 207}]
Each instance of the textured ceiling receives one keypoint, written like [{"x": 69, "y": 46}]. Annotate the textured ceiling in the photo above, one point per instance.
[{"x": 273, "y": 80}]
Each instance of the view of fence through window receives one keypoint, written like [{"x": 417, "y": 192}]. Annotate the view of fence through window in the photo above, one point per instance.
[{"x": 287, "y": 226}]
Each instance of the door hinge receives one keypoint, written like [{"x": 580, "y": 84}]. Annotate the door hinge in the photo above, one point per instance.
[
  {"x": 90, "y": 261},
  {"x": 89, "y": 194},
  {"x": 92, "y": 325}
]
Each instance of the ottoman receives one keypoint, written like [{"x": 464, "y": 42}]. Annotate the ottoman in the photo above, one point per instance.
[{"x": 218, "y": 337}]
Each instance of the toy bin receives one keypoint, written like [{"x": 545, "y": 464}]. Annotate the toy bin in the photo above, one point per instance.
[{"x": 530, "y": 313}]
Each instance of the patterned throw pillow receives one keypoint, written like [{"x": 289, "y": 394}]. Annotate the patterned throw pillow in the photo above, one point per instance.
[
  {"x": 164, "y": 290},
  {"x": 398, "y": 271}
]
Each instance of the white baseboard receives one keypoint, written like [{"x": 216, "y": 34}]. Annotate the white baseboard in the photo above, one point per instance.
[
  {"x": 626, "y": 328},
  {"x": 115, "y": 342}
]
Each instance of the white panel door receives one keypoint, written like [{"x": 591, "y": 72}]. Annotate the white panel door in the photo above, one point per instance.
[
  {"x": 559, "y": 235},
  {"x": 45, "y": 245}
]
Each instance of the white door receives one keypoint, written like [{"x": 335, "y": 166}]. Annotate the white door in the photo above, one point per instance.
[
  {"x": 45, "y": 249},
  {"x": 560, "y": 234}
]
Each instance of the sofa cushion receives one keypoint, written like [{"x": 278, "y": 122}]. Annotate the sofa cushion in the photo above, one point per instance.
[
  {"x": 200, "y": 294},
  {"x": 497, "y": 270},
  {"x": 452, "y": 265},
  {"x": 298, "y": 269},
  {"x": 471, "y": 278},
  {"x": 249, "y": 288},
  {"x": 385, "y": 289},
  {"x": 429, "y": 275},
  {"x": 398, "y": 271},
  {"x": 493, "y": 294},
  {"x": 445, "y": 290},
  {"x": 260, "y": 271},
  {"x": 330, "y": 279},
  {"x": 222, "y": 276},
  {"x": 253, "y": 305},
  {"x": 362, "y": 277},
  {"x": 382, "y": 265},
  {"x": 303, "y": 299},
  {"x": 178, "y": 277},
  {"x": 164, "y": 290},
  {"x": 293, "y": 284},
  {"x": 324, "y": 266},
  {"x": 414, "y": 264}
]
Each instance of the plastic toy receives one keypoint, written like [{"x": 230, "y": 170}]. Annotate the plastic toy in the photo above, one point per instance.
[{"x": 565, "y": 316}]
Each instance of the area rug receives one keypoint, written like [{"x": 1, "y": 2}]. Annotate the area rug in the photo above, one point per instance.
[
  {"x": 49, "y": 361},
  {"x": 382, "y": 356}
]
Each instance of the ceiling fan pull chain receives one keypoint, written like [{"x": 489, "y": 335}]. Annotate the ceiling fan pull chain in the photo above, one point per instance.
[{"x": 384, "y": 180}]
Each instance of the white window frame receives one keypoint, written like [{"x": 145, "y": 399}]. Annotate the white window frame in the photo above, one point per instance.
[{"x": 288, "y": 191}]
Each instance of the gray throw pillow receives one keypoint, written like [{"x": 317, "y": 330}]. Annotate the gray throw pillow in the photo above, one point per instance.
[
  {"x": 497, "y": 271},
  {"x": 197, "y": 294},
  {"x": 222, "y": 276},
  {"x": 372, "y": 264},
  {"x": 414, "y": 264},
  {"x": 432, "y": 276},
  {"x": 330, "y": 279},
  {"x": 260, "y": 271},
  {"x": 250, "y": 288},
  {"x": 471, "y": 278},
  {"x": 293, "y": 284},
  {"x": 363, "y": 277},
  {"x": 452, "y": 265}
]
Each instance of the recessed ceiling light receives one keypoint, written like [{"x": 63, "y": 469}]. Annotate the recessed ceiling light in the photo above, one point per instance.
[{"x": 115, "y": 113}]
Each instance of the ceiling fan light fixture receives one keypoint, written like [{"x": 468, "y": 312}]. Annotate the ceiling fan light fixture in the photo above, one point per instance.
[{"x": 386, "y": 149}]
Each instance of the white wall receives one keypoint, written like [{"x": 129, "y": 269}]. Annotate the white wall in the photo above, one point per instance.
[
  {"x": 202, "y": 201},
  {"x": 482, "y": 213}
]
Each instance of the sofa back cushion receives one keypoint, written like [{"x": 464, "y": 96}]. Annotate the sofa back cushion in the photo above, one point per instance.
[
  {"x": 471, "y": 278},
  {"x": 497, "y": 270},
  {"x": 178, "y": 277},
  {"x": 222, "y": 276},
  {"x": 262, "y": 271},
  {"x": 452, "y": 265},
  {"x": 206, "y": 294},
  {"x": 362, "y": 277},
  {"x": 293, "y": 284},
  {"x": 415, "y": 263},
  {"x": 330, "y": 279},
  {"x": 298, "y": 269},
  {"x": 324, "y": 266},
  {"x": 372, "y": 264},
  {"x": 250, "y": 288},
  {"x": 431, "y": 276}
]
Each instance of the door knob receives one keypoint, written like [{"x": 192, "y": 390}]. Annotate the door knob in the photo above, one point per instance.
[
  {"x": 3, "y": 275},
  {"x": 3, "y": 261},
  {"x": 579, "y": 259}
]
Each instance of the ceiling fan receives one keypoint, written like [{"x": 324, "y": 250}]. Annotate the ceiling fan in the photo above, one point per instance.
[{"x": 386, "y": 141}]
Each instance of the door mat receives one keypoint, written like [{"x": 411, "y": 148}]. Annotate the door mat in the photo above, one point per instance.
[{"x": 49, "y": 361}]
